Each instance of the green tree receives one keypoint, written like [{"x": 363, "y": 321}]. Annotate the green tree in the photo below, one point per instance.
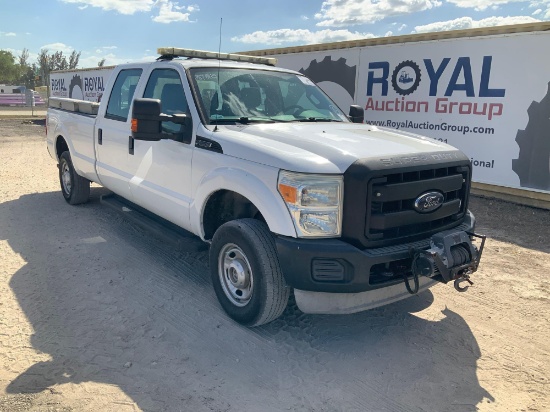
[
  {"x": 73, "y": 59},
  {"x": 28, "y": 77},
  {"x": 43, "y": 66},
  {"x": 24, "y": 58},
  {"x": 18, "y": 70},
  {"x": 55, "y": 61},
  {"x": 9, "y": 70},
  {"x": 26, "y": 70}
]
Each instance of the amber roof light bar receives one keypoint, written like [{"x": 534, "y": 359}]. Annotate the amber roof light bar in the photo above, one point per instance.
[{"x": 171, "y": 52}]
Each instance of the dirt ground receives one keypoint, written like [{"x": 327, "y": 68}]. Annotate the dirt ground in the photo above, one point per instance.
[{"x": 98, "y": 315}]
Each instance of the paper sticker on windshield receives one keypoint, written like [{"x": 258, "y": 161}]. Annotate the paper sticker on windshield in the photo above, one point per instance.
[
  {"x": 306, "y": 81},
  {"x": 206, "y": 76}
]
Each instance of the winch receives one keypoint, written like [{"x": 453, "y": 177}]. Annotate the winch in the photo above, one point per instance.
[{"x": 451, "y": 257}]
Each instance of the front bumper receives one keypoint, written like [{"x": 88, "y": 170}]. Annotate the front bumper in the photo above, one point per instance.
[
  {"x": 334, "y": 266},
  {"x": 321, "y": 303}
]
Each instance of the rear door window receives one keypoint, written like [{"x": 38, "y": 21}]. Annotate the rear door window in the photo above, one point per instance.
[{"x": 122, "y": 94}]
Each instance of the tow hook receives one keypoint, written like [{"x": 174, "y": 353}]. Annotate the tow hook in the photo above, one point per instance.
[{"x": 462, "y": 279}]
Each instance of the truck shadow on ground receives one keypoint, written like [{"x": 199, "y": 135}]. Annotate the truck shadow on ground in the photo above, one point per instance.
[{"x": 112, "y": 304}]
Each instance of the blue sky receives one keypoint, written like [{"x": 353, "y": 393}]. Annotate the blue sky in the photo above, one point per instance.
[{"x": 129, "y": 30}]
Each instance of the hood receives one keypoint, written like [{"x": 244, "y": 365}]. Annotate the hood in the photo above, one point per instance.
[{"x": 319, "y": 147}]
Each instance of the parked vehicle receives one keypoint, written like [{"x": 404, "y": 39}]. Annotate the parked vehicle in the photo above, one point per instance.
[{"x": 289, "y": 193}]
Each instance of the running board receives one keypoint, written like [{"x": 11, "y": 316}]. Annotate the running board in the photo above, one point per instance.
[{"x": 161, "y": 228}]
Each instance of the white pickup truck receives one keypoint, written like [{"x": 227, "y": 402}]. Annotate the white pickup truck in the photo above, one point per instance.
[{"x": 289, "y": 192}]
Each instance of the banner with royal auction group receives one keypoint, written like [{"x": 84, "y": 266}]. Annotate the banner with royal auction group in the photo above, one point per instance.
[{"x": 81, "y": 84}]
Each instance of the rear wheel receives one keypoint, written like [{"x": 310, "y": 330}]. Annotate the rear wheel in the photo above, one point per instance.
[
  {"x": 75, "y": 188},
  {"x": 246, "y": 274}
]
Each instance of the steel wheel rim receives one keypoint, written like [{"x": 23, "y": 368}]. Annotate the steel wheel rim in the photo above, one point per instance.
[
  {"x": 235, "y": 275},
  {"x": 66, "y": 177}
]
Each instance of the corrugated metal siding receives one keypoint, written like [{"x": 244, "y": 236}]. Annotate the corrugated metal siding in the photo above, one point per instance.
[{"x": 379, "y": 41}]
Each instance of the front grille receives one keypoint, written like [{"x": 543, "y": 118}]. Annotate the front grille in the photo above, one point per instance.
[{"x": 390, "y": 208}]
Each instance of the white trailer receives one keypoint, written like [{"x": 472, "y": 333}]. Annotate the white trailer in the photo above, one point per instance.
[
  {"x": 19, "y": 96},
  {"x": 485, "y": 91},
  {"x": 82, "y": 84}
]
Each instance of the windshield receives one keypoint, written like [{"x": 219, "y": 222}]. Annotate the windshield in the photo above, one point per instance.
[{"x": 246, "y": 96}]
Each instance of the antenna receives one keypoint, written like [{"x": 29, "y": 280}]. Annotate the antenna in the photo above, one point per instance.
[
  {"x": 219, "y": 64},
  {"x": 220, "y": 45}
]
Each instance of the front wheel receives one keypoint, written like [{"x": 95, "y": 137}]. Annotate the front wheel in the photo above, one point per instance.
[
  {"x": 246, "y": 274},
  {"x": 75, "y": 188}
]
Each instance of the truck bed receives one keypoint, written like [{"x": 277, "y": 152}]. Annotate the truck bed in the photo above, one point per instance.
[{"x": 74, "y": 118}]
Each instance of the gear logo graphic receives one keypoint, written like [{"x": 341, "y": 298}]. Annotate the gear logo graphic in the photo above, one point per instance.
[
  {"x": 76, "y": 82},
  {"x": 406, "y": 77},
  {"x": 533, "y": 163},
  {"x": 335, "y": 71}
]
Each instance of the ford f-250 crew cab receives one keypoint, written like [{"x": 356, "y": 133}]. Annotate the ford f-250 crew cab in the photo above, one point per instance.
[{"x": 290, "y": 194}]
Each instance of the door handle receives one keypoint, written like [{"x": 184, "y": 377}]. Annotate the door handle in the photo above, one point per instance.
[
  {"x": 100, "y": 136},
  {"x": 130, "y": 145}
]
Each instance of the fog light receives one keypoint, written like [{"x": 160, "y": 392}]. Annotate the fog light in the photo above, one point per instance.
[{"x": 326, "y": 270}]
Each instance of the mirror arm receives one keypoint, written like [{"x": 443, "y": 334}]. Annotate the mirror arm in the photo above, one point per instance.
[{"x": 179, "y": 118}]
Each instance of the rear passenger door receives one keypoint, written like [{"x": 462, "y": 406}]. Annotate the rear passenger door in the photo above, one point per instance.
[
  {"x": 161, "y": 170},
  {"x": 113, "y": 134}
]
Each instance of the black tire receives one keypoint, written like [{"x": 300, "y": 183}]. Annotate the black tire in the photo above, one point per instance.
[
  {"x": 75, "y": 188},
  {"x": 252, "y": 245}
]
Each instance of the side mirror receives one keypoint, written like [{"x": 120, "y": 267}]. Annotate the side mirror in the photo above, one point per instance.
[
  {"x": 356, "y": 114},
  {"x": 147, "y": 122},
  {"x": 186, "y": 133},
  {"x": 146, "y": 119}
]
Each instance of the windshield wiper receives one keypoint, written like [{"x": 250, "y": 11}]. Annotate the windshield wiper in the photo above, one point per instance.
[
  {"x": 242, "y": 120},
  {"x": 317, "y": 119},
  {"x": 246, "y": 120}
]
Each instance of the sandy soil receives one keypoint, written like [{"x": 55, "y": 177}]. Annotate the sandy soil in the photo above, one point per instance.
[{"x": 98, "y": 315}]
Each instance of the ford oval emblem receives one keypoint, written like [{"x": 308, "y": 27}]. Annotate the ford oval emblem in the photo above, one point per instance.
[{"x": 429, "y": 202}]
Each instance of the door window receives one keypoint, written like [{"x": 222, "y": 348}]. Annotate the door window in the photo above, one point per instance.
[
  {"x": 165, "y": 84},
  {"x": 122, "y": 94}
]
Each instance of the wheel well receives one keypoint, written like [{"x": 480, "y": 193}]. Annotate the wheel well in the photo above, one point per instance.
[
  {"x": 224, "y": 206},
  {"x": 61, "y": 146}
]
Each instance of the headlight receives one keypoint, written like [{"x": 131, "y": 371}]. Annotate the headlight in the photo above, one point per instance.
[{"x": 314, "y": 202}]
